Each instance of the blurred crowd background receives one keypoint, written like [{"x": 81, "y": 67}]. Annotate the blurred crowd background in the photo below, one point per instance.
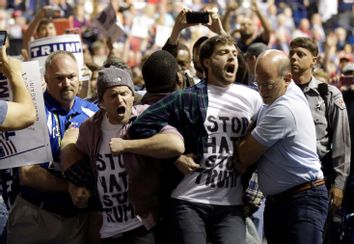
[{"x": 329, "y": 22}]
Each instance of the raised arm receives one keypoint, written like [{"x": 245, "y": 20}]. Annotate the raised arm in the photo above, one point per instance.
[
  {"x": 267, "y": 29},
  {"x": 225, "y": 20},
  {"x": 180, "y": 24},
  {"x": 32, "y": 27},
  {"x": 21, "y": 112},
  {"x": 215, "y": 25}
]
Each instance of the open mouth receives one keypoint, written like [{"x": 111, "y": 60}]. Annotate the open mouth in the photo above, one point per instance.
[
  {"x": 230, "y": 69},
  {"x": 121, "y": 110}
]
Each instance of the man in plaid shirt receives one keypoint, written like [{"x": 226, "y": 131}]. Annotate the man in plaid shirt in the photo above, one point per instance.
[{"x": 211, "y": 116}]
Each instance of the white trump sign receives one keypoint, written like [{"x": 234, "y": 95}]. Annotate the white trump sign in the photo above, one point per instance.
[
  {"x": 40, "y": 49},
  {"x": 30, "y": 145}
]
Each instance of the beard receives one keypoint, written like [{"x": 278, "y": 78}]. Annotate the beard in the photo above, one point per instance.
[
  {"x": 219, "y": 75},
  {"x": 246, "y": 35}
]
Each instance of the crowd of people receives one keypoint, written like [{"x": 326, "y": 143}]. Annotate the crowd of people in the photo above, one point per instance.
[
  {"x": 237, "y": 130},
  {"x": 330, "y": 24}
]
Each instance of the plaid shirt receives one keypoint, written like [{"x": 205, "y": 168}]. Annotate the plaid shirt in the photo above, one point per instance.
[
  {"x": 185, "y": 110},
  {"x": 253, "y": 196}
]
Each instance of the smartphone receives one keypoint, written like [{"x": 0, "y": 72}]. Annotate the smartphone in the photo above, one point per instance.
[
  {"x": 197, "y": 17},
  {"x": 52, "y": 13},
  {"x": 346, "y": 80},
  {"x": 3, "y": 35}
]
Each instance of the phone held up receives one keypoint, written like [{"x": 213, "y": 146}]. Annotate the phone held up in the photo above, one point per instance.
[
  {"x": 197, "y": 17},
  {"x": 3, "y": 35},
  {"x": 53, "y": 13}
]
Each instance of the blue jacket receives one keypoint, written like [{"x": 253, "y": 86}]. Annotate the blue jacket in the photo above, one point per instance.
[{"x": 58, "y": 120}]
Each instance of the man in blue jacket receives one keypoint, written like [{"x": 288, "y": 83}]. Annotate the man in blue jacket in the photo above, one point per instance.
[{"x": 43, "y": 212}]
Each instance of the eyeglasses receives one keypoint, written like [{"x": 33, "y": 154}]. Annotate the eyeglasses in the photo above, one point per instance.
[{"x": 269, "y": 85}]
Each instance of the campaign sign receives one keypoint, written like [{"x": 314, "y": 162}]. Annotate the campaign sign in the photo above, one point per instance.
[
  {"x": 141, "y": 26},
  {"x": 108, "y": 23},
  {"x": 163, "y": 32},
  {"x": 40, "y": 49},
  {"x": 30, "y": 145}
]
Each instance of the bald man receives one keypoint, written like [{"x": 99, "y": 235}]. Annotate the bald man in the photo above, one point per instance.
[{"x": 283, "y": 143}]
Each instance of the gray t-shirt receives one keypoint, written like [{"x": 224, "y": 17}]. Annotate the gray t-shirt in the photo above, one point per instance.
[{"x": 3, "y": 111}]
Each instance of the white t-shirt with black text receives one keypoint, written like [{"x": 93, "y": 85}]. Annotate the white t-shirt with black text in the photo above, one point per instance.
[
  {"x": 112, "y": 185},
  {"x": 229, "y": 114}
]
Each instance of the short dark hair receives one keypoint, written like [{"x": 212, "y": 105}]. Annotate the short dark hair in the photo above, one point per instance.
[
  {"x": 242, "y": 70},
  {"x": 44, "y": 22},
  {"x": 208, "y": 46},
  {"x": 160, "y": 72},
  {"x": 199, "y": 42},
  {"x": 306, "y": 43}
]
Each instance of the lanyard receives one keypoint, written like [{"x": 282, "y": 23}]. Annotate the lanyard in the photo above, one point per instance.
[{"x": 58, "y": 127}]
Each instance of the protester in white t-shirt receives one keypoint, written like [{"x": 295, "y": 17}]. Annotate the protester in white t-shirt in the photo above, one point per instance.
[
  {"x": 212, "y": 116},
  {"x": 104, "y": 141}
]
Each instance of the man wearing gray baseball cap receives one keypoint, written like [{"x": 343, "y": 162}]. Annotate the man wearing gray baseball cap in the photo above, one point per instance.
[{"x": 103, "y": 140}]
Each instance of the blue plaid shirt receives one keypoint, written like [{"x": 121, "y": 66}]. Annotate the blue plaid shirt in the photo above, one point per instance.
[
  {"x": 185, "y": 110},
  {"x": 252, "y": 196}
]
